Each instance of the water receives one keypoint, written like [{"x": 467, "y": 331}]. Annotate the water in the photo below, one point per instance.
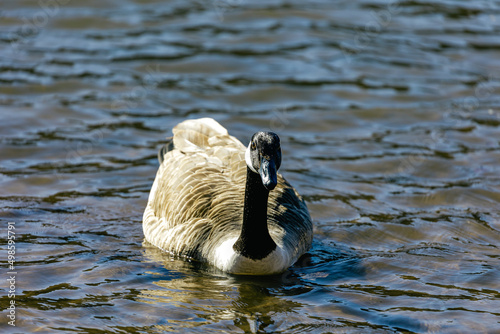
[{"x": 389, "y": 115}]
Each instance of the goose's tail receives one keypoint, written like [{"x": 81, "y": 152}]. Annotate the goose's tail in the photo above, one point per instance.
[
  {"x": 198, "y": 135},
  {"x": 167, "y": 147}
]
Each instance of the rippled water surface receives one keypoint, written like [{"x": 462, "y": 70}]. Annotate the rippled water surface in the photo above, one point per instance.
[{"x": 389, "y": 114}]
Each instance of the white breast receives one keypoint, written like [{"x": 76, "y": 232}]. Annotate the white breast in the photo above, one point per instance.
[{"x": 227, "y": 259}]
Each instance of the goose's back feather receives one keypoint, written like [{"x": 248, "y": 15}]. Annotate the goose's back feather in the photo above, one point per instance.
[{"x": 196, "y": 202}]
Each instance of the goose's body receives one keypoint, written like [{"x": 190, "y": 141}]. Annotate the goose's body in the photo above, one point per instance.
[{"x": 214, "y": 201}]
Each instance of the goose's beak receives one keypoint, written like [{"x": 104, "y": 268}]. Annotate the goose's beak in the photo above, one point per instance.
[{"x": 268, "y": 173}]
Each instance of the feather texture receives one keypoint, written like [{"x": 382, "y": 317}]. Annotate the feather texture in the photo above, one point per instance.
[{"x": 195, "y": 207}]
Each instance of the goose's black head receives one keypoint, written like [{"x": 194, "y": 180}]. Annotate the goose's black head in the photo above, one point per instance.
[{"x": 263, "y": 156}]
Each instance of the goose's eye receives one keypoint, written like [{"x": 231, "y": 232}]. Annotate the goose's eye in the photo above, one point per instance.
[{"x": 253, "y": 146}]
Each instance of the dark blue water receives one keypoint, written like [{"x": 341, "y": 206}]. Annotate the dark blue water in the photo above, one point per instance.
[{"x": 389, "y": 117}]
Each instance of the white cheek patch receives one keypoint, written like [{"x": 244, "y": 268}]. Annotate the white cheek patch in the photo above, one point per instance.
[{"x": 248, "y": 159}]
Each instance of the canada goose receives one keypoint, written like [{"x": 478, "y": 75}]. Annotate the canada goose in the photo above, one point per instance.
[{"x": 216, "y": 201}]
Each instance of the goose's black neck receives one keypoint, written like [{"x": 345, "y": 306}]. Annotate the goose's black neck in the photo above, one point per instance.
[{"x": 254, "y": 241}]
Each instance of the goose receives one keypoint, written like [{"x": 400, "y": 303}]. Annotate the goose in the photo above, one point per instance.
[{"x": 216, "y": 201}]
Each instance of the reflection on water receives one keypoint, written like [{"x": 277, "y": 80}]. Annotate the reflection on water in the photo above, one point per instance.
[
  {"x": 389, "y": 117},
  {"x": 235, "y": 303}
]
